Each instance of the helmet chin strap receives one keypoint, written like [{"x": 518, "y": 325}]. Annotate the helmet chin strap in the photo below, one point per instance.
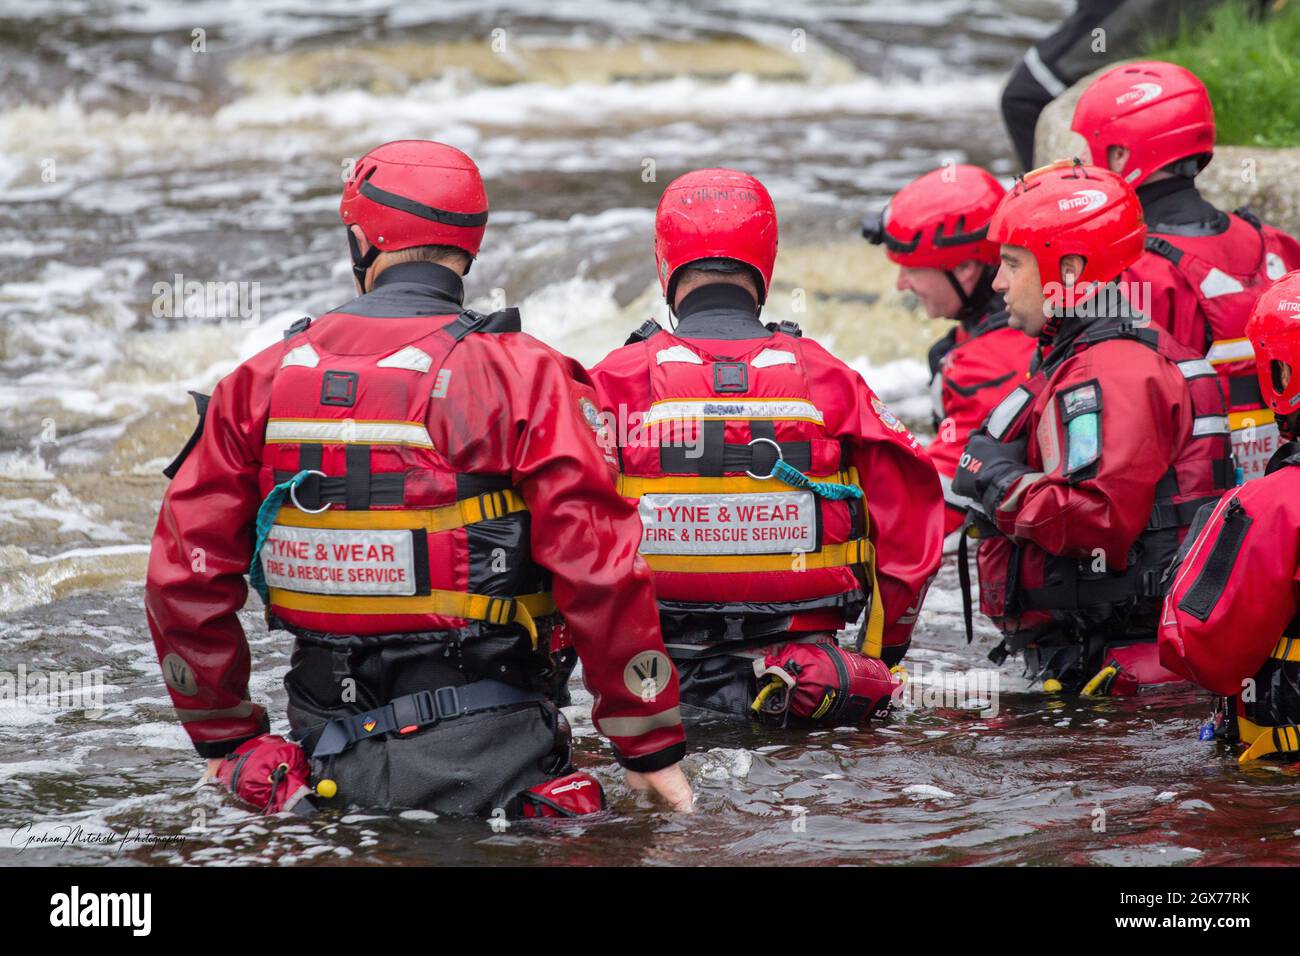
[
  {"x": 974, "y": 300},
  {"x": 361, "y": 263}
]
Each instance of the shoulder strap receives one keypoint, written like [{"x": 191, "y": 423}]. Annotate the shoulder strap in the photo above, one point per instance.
[
  {"x": 1163, "y": 248},
  {"x": 299, "y": 325},
  {"x": 503, "y": 320},
  {"x": 789, "y": 328},
  {"x": 200, "y": 406},
  {"x": 1243, "y": 212},
  {"x": 647, "y": 329}
]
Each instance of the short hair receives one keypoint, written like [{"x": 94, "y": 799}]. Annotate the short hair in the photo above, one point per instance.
[{"x": 431, "y": 254}]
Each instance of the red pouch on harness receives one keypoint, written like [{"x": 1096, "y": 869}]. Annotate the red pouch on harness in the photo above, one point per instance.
[
  {"x": 268, "y": 772},
  {"x": 824, "y": 683},
  {"x": 572, "y": 795}
]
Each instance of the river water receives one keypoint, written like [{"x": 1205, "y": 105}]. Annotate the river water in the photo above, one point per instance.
[{"x": 152, "y": 144}]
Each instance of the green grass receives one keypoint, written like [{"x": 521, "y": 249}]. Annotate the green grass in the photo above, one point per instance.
[{"x": 1251, "y": 67}]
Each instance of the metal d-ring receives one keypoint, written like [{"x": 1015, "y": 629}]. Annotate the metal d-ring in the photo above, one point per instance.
[
  {"x": 293, "y": 496},
  {"x": 779, "y": 457}
]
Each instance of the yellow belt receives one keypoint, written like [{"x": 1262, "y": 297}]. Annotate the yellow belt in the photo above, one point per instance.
[
  {"x": 521, "y": 610},
  {"x": 484, "y": 507}
]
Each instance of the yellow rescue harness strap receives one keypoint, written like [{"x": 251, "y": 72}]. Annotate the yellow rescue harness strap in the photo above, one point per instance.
[
  {"x": 521, "y": 610},
  {"x": 484, "y": 507},
  {"x": 859, "y": 551},
  {"x": 1263, "y": 740}
]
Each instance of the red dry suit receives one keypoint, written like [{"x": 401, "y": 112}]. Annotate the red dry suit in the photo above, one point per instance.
[
  {"x": 696, "y": 417},
  {"x": 1232, "y": 615},
  {"x": 1126, "y": 439},
  {"x": 462, "y": 484},
  {"x": 1201, "y": 273}
]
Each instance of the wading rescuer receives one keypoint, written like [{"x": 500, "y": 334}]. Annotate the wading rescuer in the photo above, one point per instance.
[
  {"x": 419, "y": 490},
  {"x": 1087, "y": 476},
  {"x": 1231, "y": 621},
  {"x": 779, "y": 496},
  {"x": 1153, "y": 123},
  {"x": 935, "y": 230}
]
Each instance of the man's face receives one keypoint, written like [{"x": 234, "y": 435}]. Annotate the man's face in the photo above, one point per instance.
[
  {"x": 1018, "y": 281},
  {"x": 932, "y": 288}
]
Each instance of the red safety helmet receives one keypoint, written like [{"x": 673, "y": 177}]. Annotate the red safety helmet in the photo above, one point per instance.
[
  {"x": 1274, "y": 331},
  {"x": 940, "y": 220},
  {"x": 1159, "y": 112},
  {"x": 414, "y": 193},
  {"x": 715, "y": 214},
  {"x": 1071, "y": 209}
]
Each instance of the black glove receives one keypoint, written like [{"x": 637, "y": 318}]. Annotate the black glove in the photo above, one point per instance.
[{"x": 988, "y": 468}]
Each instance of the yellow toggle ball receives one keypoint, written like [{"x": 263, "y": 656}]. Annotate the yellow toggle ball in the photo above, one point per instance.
[
  {"x": 1051, "y": 686},
  {"x": 327, "y": 788}
]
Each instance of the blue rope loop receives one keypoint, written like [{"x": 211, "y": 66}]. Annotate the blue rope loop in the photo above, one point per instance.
[
  {"x": 266, "y": 513},
  {"x": 827, "y": 489}
]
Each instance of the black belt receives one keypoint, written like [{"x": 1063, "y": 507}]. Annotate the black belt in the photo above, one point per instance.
[{"x": 406, "y": 715}]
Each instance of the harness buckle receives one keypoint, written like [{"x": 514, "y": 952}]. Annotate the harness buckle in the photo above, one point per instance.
[
  {"x": 446, "y": 703},
  {"x": 779, "y": 457}
]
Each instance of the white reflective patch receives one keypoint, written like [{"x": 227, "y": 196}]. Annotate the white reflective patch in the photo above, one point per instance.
[
  {"x": 1006, "y": 411},
  {"x": 1274, "y": 267},
  {"x": 336, "y": 561},
  {"x": 1049, "y": 443},
  {"x": 1196, "y": 368},
  {"x": 1210, "y": 425},
  {"x": 1218, "y": 283},
  {"x": 347, "y": 432},
  {"x": 936, "y": 396},
  {"x": 769, "y": 357},
  {"x": 417, "y": 360},
  {"x": 678, "y": 353},
  {"x": 303, "y": 355},
  {"x": 764, "y": 523},
  {"x": 1253, "y": 446},
  {"x": 1230, "y": 350},
  {"x": 793, "y": 408}
]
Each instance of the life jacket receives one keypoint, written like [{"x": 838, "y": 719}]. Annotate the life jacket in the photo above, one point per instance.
[
  {"x": 383, "y": 536},
  {"x": 1032, "y": 587},
  {"x": 1225, "y": 292},
  {"x": 726, "y": 539},
  {"x": 1270, "y": 722}
]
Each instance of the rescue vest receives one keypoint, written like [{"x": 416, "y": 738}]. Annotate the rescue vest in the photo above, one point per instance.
[
  {"x": 1015, "y": 580},
  {"x": 724, "y": 535},
  {"x": 1225, "y": 296},
  {"x": 382, "y": 535}
]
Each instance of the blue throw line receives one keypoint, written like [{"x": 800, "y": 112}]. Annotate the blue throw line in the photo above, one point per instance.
[
  {"x": 827, "y": 489},
  {"x": 265, "y": 519}
]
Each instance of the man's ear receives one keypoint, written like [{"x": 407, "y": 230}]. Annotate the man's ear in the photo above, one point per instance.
[
  {"x": 1071, "y": 267},
  {"x": 362, "y": 242}
]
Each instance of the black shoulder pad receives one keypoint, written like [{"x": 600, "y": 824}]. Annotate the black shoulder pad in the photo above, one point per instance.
[
  {"x": 789, "y": 328},
  {"x": 200, "y": 406},
  {"x": 1244, "y": 212},
  {"x": 503, "y": 320},
  {"x": 647, "y": 329},
  {"x": 1288, "y": 453},
  {"x": 300, "y": 325}
]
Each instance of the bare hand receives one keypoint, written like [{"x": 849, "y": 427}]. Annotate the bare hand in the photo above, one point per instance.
[{"x": 669, "y": 784}]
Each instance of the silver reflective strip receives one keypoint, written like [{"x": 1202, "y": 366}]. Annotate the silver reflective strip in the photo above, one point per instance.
[
  {"x": 1039, "y": 71},
  {"x": 794, "y": 408},
  {"x": 347, "y": 432},
  {"x": 411, "y": 358},
  {"x": 773, "y": 357},
  {"x": 1218, "y": 283},
  {"x": 1017, "y": 491},
  {"x": 1231, "y": 350},
  {"x": 1006, "y": 411},
  {"x": 1196, "y": 368},
  {"x": 244, "y": 709},
  {"x": 678, "y": 353},
  {"x": 636, "y": 726},
  {"x": 303, "y": 355},
  {"x": 950, "y": 496},
  {"x": 1210, "y": 425}
]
